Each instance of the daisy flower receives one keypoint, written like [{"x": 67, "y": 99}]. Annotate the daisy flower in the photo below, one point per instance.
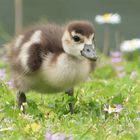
[
  {"x": 108, "y": 18},
  {"x": 130, "y": 45},
  {"x": 116, "y": 108}
]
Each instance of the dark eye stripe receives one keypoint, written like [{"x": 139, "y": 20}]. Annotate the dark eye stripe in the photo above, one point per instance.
[{"x": 76, "y": 38}]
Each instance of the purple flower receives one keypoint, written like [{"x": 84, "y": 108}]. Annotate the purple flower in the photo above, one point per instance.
[
  {"x": 121, "y": 74},
  {"x": 116, "y": 60},
  {"x": 133, "y": 75},
  {"x": 116, "y": 54},
  {"x": 10, "y": 83},
  {"x": 58, "y": 136},
  {"x": 48, "y": 136},
  {"x": 116, "y": 108},
  {"x": 2, "y": 74},
  {"x": 119, "y": 68}
]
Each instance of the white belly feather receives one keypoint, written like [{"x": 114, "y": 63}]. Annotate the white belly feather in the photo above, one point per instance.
[{"x": 65, "y": 73}]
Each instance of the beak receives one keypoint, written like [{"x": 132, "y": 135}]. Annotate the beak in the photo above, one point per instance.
[{"x": 89, "y": 52}]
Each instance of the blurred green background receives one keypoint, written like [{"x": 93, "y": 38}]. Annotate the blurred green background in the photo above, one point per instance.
[{"x": 61, "y": 11}]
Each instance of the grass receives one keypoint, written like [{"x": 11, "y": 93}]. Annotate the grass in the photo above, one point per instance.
[{"x": 49, "y": 113}]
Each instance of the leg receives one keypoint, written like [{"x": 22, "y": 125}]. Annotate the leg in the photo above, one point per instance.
[
  {"x": 21, "y": 99},
  {"x": 70, "y": 93}
]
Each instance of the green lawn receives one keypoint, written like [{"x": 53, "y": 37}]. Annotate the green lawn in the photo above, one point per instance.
[{"x": 48, "y": 114}]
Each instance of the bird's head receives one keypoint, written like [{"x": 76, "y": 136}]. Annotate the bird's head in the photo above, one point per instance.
[{"x": 78, "y": 40}]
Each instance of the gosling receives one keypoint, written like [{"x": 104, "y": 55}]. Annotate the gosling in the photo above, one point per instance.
[{"x": 52, "y": 58}]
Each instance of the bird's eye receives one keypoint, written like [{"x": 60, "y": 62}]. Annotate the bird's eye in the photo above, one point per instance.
[{"x": 76, "y": 38}]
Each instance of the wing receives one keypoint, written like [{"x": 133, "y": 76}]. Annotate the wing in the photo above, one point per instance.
[{"x": 27, "y": 51}]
